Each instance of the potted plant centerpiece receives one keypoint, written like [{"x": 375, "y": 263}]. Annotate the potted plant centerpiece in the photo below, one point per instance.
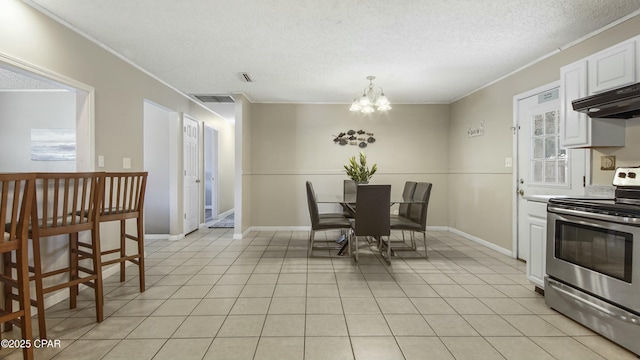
[{"x": 358, "y": 170}]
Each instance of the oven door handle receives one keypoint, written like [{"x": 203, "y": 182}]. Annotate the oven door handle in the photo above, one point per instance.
[
  {"x": 592, "y": 215},
  {"x": 560, "y": 287}
]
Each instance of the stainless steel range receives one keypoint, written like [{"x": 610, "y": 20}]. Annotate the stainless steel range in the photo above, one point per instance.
[{"x": 593, "y": 260}]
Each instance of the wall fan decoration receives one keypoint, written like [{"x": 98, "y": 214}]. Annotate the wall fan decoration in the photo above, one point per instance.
[{"x": 358, "y": 138}]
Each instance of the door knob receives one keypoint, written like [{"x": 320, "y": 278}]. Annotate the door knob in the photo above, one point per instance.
[
  {"x": 521, "y": 192},
  {"x": 198, "y": 180}
]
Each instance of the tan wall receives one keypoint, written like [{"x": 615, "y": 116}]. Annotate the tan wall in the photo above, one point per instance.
[
  {"x": 480, "y": 192},
  {"x": 293, "y": 143},
  {"x": 120, "y": 89}
]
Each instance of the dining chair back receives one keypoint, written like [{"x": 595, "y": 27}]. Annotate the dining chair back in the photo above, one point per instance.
[
  {"x": 372, "y": 212},
  {"x": 67, "y": 204},
  {"x": 350, "y": 190},
  {"x": 407, "y": 193},
  {"x": 349, "y": 193},
  {"x": 322, "y": 222},
  {"x": 16, "y": 199},
  {"x": 418, "y": 211}
]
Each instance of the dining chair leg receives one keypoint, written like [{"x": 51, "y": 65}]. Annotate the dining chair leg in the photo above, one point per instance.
[
  {"x": 355, "y": 240},
  {"x": 388, "y": 249},
  {"x": 311, "y": 237},
  {"x": 424, "y": 237}
]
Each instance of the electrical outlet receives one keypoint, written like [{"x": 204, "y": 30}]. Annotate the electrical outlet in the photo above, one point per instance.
[
  {"x": 100, "y": 160},
  {"x": 126, "y": 163}
]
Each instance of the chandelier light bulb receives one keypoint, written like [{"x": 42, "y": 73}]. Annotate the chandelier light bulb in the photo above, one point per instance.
[{"x": 370, "y": 97}]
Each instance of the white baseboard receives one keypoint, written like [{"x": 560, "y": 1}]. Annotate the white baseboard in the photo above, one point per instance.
[
  {"x": 280, "y": 228},
  {"x": 482, "y": 242},
  {"x": 432, "y": 228},
  {"x": 163, "y": 237},
  {"x": 226, "y": 213}
]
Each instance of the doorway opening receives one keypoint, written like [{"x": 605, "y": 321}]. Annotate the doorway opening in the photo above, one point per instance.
[
  {"x": 210, "y": 173},
  {"x": 161, "y": 133},
  {"x": 46, "y": 121}
]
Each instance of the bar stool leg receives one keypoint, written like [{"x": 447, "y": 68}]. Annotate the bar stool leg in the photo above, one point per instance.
[
  {"x": 73, "y": 269},
  {"x": 141, "y": 253},
  {"x": 123, "y": 248},
  {"x": 39, "y": 303},
  {"x": 22, "y": 261},
  {"x": 8, "y": 290},
  {"x": 97, "y": 269}
]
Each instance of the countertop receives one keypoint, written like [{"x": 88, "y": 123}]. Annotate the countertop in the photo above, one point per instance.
[
  {"x": 591, "y": 192},
  {"x": 543, "y": 198}
]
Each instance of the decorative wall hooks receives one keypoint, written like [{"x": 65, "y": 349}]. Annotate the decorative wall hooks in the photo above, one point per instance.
[
  {"x": 475, "y": 132},
  {"x": 358, "y": 138}
]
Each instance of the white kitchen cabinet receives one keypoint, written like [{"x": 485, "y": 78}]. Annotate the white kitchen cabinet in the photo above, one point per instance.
[
  {"x": 612, "y": 68},
  {"x": 573, "y": 124},
  {"x": 577, "y": 130},
  {"x": 537, "y": 231}
]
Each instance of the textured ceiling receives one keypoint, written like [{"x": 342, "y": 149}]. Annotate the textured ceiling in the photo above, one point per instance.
[{"x": 421, "y": 51}]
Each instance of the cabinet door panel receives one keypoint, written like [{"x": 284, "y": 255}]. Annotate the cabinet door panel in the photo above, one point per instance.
[
  {"x": 574, "y": 126},
  {"x": 536, "y": 266},
  {"x": 612, "y": 68}
]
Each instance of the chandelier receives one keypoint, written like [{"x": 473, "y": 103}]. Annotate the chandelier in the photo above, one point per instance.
[{"x": 370, "y": 97}]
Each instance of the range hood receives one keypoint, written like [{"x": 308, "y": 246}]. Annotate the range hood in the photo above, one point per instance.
[{"x": 621, "y": 103}]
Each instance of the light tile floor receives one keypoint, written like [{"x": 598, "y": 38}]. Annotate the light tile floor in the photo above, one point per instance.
[{"x": 211, "y": 297}]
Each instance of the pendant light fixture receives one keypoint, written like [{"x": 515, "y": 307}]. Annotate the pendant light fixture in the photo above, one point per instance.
[{"x": 372, "y": 99}]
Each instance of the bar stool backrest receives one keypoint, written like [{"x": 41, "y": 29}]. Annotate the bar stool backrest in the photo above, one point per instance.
[
  {"x": 16, "y": 199},
  {"x": 123, "y": 195},
  {"x": 66, "y": 202}
]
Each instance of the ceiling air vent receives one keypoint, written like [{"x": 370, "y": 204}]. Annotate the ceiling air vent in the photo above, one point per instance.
[
  {"x": 215, "y": 98},
  {"x": 246, "y": 77}
]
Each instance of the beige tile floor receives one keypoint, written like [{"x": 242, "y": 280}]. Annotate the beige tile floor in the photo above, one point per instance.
[{"x": 211, "y": 297}]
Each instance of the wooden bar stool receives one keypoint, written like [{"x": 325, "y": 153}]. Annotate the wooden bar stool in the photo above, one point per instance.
[
  {"x": 68, "y": 203},
  {"x": 123, "y": 200},
  {"x": 16, "y": 200}
]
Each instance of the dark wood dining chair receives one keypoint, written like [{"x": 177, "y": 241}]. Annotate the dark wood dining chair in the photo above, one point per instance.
[
  {"x": 67, "y": 204},
  {"x": 371, "y": 215},
  {"x": 123, "y": 200},
  {"x": 416, "y": 221},
  {"x": 323, "y": 222},
  {"x": 16, "y": 199}
]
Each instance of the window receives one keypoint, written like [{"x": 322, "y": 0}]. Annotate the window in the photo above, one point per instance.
[{"x": 549, "y": 162}]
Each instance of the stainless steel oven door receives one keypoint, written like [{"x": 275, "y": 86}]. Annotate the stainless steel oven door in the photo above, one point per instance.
[{"x": 596, "y": 256}]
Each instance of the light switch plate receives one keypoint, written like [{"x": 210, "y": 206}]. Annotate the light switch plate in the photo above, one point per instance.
[
  {"x": 126, "y": 163},
  {"x": 508, "y": 162}
]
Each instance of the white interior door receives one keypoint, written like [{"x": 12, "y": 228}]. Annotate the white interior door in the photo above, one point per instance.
[
  {"x": 191, "y": 173},
  {"x": 544, "y": 168}
]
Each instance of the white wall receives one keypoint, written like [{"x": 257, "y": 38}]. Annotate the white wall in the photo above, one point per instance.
[
  {"x": 157, "y": 132},
  {"x": 21, "y": 111}
]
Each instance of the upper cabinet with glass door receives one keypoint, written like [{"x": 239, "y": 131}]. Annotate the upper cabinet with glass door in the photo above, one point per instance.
[{"x": 608, "y": 69}]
